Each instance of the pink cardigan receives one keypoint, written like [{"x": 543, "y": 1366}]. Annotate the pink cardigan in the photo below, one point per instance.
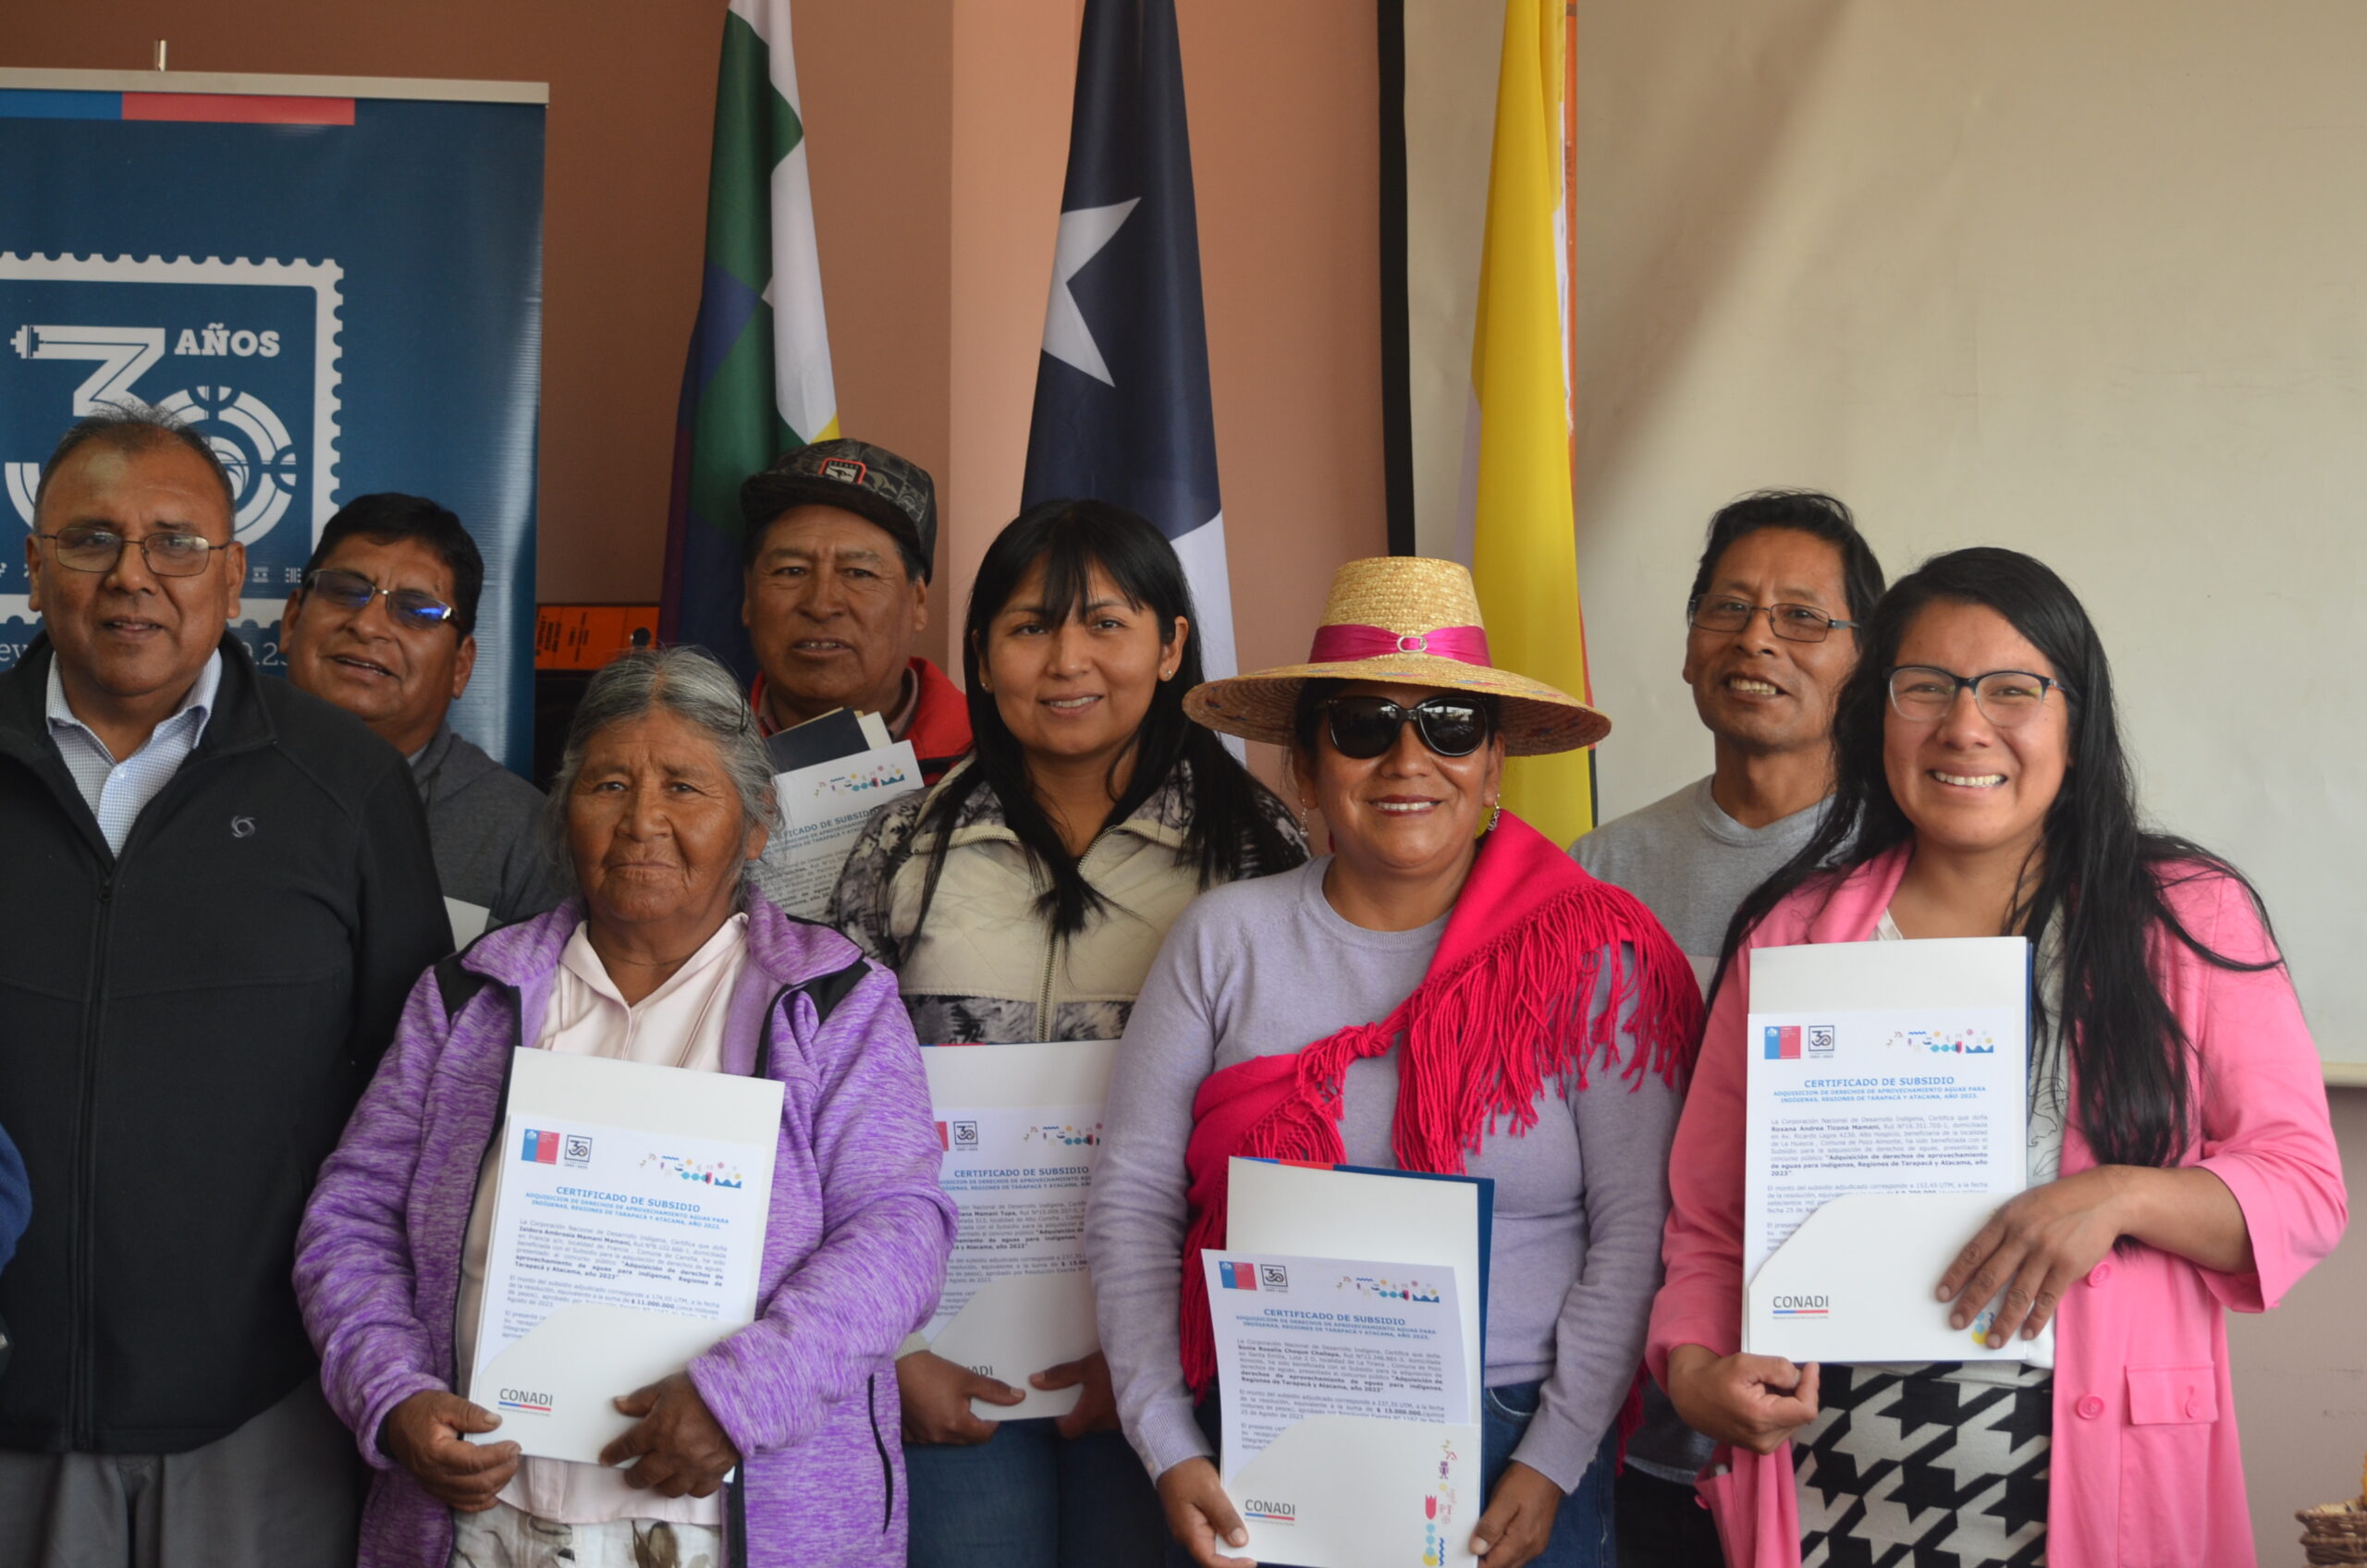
[{"x": 2146, "y": 1468}]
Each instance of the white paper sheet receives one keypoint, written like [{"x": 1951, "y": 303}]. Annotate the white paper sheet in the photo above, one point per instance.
[
  {"x": 1301, "y": 1336},
  {"x": 1854, "y": 1284},
  {"x": 1333, "y": 1489},
  {"x": 1021, "y": 1128},
  {"x": 1295, "y": 1209},
  {"x": 1878, "y": 1068},
  {"x": 468, "y": 921},
  {"x": 627, "y": 1238},
  {"x": 822, "y": 811}
]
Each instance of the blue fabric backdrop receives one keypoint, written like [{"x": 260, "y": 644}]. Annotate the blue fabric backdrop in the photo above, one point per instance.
[{"x": 371, "y": 319}]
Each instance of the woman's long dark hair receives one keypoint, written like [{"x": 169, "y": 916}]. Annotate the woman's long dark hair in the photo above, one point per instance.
[
  {"x": 2103, "y": 873},
  {"x": 1235, "y": 827}
]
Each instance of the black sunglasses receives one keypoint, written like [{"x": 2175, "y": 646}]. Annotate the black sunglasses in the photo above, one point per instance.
[
  {"x": 352, "y": 591},
  {"x": 1364, "y": 728}
]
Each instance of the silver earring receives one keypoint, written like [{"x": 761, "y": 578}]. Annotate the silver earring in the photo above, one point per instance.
[
  {"x": 1495, "y": 814},
  {"x": 1304, "y": 808}
]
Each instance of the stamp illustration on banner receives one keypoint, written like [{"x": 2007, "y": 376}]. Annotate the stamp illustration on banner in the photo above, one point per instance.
[{"x": 243, "y": 352}]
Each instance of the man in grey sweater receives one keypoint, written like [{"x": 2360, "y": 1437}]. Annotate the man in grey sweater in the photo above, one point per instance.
[
  {"x": 385, "y": 627},
  {"x": 1783, "y": 581}
]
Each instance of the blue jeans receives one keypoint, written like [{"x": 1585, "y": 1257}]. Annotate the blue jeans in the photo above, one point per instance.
[
  {"x": 1582, "y": 1535},
  {"x": 1029, "y": 1497}
]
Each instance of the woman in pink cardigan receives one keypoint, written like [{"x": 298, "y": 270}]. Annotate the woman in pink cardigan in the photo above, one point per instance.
[{"x": 2180, "y": 1158}]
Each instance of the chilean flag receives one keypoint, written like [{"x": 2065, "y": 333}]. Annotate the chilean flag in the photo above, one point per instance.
[
  {"x": 1783, "y": 1042},
  {"x": 1121, "y": 390}
]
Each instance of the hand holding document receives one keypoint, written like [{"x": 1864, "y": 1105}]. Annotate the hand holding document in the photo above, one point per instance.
[
  {"x": 627, "y": 1239},
  {"x": 1021, "y": 1128},
  {"x": 1888, "y": 1118},
  {"x": 1350, "y": 1386}
]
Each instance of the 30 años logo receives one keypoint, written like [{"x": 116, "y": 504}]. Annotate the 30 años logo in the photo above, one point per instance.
[{"x": 243, "y": 352}]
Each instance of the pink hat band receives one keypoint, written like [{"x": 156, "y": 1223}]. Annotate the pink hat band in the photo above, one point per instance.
[{"x": 1350, "y": 644}]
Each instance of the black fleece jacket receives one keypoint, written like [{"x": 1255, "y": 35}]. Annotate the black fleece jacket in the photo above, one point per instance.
[{"x": 183, "y": 1031}]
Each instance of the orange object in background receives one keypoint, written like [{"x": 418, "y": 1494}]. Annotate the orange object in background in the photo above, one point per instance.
[{"x": 588, "y": 636}]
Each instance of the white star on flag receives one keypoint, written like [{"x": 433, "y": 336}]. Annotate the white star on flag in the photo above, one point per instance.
[{"x": 1083, "y": 231}]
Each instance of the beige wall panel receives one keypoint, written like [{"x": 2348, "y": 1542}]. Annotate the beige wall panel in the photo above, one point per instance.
[{"x": 2081, "y": 280}]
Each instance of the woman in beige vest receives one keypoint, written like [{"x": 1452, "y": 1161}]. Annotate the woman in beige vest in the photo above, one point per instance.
[{"x": 1022, "y": 899}]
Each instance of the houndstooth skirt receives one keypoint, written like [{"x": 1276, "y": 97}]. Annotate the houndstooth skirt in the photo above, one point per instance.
[{"x": 1935, "y": 1466}]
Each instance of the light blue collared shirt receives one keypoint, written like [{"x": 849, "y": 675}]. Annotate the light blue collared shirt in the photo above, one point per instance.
[{"x": 117, "y": 792}]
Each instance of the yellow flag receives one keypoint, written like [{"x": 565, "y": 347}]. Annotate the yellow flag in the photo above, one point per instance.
[{"x": 1524, "y": 555}]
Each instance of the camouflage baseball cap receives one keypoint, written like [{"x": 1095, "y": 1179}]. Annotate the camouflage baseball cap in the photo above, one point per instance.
[{"x": 871, "y": 482}]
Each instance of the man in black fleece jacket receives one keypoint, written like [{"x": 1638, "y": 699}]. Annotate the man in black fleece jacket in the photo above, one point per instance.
[{"x": 219, "y": 892}]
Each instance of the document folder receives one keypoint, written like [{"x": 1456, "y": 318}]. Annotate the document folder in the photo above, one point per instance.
[{"x": 1345, "y": 1491}]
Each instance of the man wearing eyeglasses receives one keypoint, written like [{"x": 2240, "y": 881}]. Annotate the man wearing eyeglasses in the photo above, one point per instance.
[
  {"x": 1783, "y": 581},
  {"x": 384, "y": 627},
  {"x": 218, "y": 893}
]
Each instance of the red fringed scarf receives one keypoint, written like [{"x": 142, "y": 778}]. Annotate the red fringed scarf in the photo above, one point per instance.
[{"x": 1502, "y": 1010}]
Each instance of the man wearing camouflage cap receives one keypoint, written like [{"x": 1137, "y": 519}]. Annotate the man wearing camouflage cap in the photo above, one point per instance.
[{"x": 840, "y": 537}]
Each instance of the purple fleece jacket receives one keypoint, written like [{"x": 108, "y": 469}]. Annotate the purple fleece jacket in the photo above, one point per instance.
[{"x": 854, "y": 1254}]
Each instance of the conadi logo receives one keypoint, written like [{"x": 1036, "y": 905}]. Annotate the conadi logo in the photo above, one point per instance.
[{"x": 1272, "y": 1513}]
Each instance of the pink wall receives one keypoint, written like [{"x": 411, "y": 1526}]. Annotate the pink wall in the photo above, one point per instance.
[
  {"x": 872, "y": 76},
  {"x": 633, "y": 90},
  {"x": 1284, "y": 107},
  {"x": 1014, "y": 66},
  {"x": 939, "y": 135},
  {"x": 1285, "y": 143}
]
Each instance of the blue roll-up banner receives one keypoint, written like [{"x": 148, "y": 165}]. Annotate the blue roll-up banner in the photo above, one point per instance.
[{"x": 339, "y": 281}]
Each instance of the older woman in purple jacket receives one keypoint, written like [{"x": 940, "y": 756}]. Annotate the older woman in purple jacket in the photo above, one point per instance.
[{"x": 662, "y": 803}]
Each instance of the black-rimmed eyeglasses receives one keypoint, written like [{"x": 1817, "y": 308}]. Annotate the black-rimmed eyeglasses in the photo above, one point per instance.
[
  {"x": 170, "y": 552},
  {"x": 1922, "y": 694},
  {"x": 1794, "y": 623}
]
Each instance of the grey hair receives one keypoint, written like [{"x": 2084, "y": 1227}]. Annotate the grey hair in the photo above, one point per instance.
[
  {"x": 692, "y": 685},
  {"x": 134, "y": 426}
]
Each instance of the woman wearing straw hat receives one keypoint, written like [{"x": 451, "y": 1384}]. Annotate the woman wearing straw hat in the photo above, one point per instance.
[{"x": 1442, "y": 942}]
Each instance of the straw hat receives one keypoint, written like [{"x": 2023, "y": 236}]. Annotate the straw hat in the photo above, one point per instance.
[{"x": 1403, "y": 621}]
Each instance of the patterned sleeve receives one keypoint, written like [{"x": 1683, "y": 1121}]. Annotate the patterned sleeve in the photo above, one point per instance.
[{"x": 861, "y": 905}]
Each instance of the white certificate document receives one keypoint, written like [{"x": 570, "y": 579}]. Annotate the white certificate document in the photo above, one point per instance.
[
  {"x": 1342, "y": 1481},
  {"x": 822, "y": 812},
  {"x": 627, "y": 1239},
  {"x": 1020, "y": 1126},
  {"x": 1894, "y": 1075},
  {"x": 1326, "y": 1336}
]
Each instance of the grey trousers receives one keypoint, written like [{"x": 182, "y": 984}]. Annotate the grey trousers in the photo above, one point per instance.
[{"x": 282, "y": 1491}]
